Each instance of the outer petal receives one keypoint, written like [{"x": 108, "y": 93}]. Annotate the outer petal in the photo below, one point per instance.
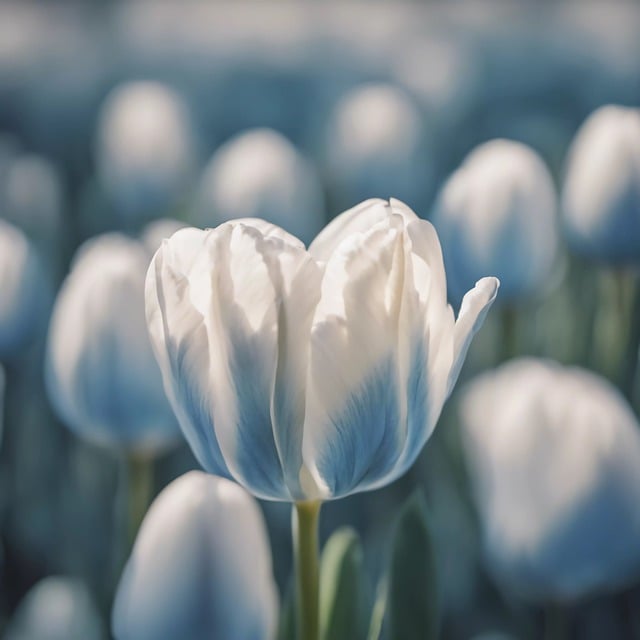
[
  {"x": 200, "y": 567},
  {"x": 355, "y": 406},
  {"x": 359, "y": 219},
  {"x": 179, "y": 338},
  {"x": 263, "y": 287},
  {"x": 473, "y": 310}
]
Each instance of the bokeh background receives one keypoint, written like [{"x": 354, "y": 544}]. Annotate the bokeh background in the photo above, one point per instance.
[{"x": 113, "y": 115}]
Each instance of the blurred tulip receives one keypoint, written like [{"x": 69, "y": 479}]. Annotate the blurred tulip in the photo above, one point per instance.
[
  {"x": 497, "y": 214},
  {"x": 23, "y": 290},
  {"x": 309, "y": 375},
  {"x": 57, "y": 608},
  {"x": 200, "y": 567},
  {"x": 377, "y": 146},
  {"x": 554, "y": 456},
  {"x": 101, "y": 374},
  {"x": 601, "y": 196},
  {"x": 260, "y": 174},
  {"x": 145, "y": 150}
]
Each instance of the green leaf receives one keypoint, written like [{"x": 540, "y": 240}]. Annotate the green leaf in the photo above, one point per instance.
[
  {"x": 413, "y": 598},
  {"x": 341, "y": 588}
]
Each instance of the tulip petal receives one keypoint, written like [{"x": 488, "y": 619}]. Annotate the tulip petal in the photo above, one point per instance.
[
  {"x": 473, "y": 310},
  {"x": 263, "y": 286},
  {"x": 200, "y": 567},
  {"x": 358, "y": 219},
  {"x": 354, "y": 405},
  {"x": 179, "y": 338}
]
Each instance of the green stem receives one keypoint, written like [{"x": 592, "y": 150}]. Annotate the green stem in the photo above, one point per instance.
[
  {"x": 140, "y": 481},
  {"x": 556, "y": 623},
  {"x": 305, "y": 533},
  {"x": 377, "y": 615}
]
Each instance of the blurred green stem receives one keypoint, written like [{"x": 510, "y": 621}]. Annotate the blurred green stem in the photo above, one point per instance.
[
  {"x": 140, "y": 484},
  {"x": 305, "y": 534},
  {"x": 377, "y": 615},
  {"x": 629, "y": 366}
]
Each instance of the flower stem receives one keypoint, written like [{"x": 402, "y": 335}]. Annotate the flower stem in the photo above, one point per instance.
[
  {"x": 305, "y": 534},
  {"x": 140, "y": 481}
]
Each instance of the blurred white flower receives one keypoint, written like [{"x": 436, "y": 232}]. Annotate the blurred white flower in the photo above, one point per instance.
[
  {"x": 57, "y": 608},
  {"x": 24, "y": 291},
  {"x": 309, "y": 374},
  {"x": 497, "y": 214},
  {"x": 601, "y": 195},
  {"x": 554, "y": 456},
  {"x": 377, "y": 145},
  {"x": 145, "y": 149},
  {"x": 200, "y": 567},
  {"x": 260, "y": 174},
  {"x": 102, "y": 377}
]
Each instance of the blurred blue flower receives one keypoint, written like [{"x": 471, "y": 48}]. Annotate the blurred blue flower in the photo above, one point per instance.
[
  {"x": 601, "y": 195},
  {"x": 377, "y": 145},
  {"x": 309, "y": 374},
  {"x": 260, "y": 174},
  {"x": 101, "y": 375},
  {"x": 200, "y": 567},
  {"x": 497, "y": 214},
  {"x": 57, "y": 608},
  {"x": 554, "y": 456},
  {"x": 24, "y": 290},
  {"x": 145, "y": 150}
]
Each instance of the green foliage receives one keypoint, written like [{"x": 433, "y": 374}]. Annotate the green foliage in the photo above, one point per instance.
[
  {"x": 341, "y": 588},
  {"x": 412, "y": 600}
]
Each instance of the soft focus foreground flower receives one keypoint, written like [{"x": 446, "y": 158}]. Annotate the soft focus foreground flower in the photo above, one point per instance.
[
  {"x": 554, "y": 455},
  {"x": 601, "y": 196},
  {"x": 377, "y": 145},
  {"x": 309, "y": 374},
  {"x": 497, "y": 214},
  {"x": 200, "y": 567},
  {"x": 57, "y": 608},
  {"x": 23, "y": 291},
  {"x": 260, "y": 174},
  {"x": 145, "y": 150},
  {"x": 101, "y": 373}
]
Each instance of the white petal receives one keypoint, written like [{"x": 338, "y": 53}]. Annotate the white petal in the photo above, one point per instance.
[
  {"x": 200, "y": 567},
  {"x": 354, "y": 421},
  {"x": 473, "y": 310}
]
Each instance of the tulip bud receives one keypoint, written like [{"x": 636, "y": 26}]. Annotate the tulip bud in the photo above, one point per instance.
[
  {"x": 260, "y": 174},
  {"x": 101, "y": 374},
  {"x": 497, "y": 214},
  {"x": 23, "y": 292},
  {"x": 144, "y": 150},
  {"x": 554, "y": 456},
  {"x": 200, "y": 567},
  {"x": 376, "y": 146},
  {"x": 601, "y": 195}
]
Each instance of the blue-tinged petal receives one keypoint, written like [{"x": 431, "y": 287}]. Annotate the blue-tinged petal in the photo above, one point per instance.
[
  {"x": 262, "y": 286},
  {"x": 180, "y": 340},
  {"x": 473, "y": 310},
  {"x": 354, "y": 424},
  {"x": 200, "y": 567}
]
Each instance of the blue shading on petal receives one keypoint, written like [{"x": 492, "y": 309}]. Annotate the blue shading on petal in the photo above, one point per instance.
[
  {"x": 257, "y": 458},
  {"x": 366, "y": 442}
]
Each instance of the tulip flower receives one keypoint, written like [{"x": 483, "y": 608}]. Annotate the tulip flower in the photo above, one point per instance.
[
  {"x": 56, "y": 608},
  {"x": 260, "y": 174},
  {"x": 309, "y": 374},
  {"x": 101, "y": 373},
  {"x": 23, "y": 291},
  {"x": 145, "y": 149},
  {"x": 497, "y": 214},
  {"x": 377, "y": 145},
  {"x": 601, "y": 195},
  {"x": 554, "y": 456},
  {"x": 200, "y": 567}
]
